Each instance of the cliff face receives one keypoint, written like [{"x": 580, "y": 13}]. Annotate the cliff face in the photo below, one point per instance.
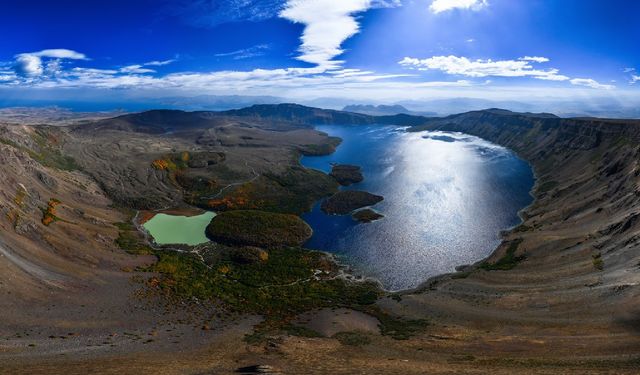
[{"x": 575, "y": 260}]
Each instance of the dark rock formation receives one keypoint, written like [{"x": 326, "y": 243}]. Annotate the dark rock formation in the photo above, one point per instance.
[
  {"x": 345, "y": 202},
  {"x": 366, "y": 215},
  {"x": 346, "y": 174},
  {"x": 258, "y": 228}
]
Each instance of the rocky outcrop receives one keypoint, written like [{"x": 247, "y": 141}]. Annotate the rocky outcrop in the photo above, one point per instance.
[
  {"x": 346, "y": 174},
  {"x": 258, "y": 229},
  {"x": 366, "y": 215},
  {"x": 345, "y": 202}
]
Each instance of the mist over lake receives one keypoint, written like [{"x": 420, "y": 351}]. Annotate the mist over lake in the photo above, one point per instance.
[{"x": 447, "y": 196}]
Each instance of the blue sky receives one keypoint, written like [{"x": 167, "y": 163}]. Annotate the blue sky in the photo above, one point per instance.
[{"x": 367, "y": 50}]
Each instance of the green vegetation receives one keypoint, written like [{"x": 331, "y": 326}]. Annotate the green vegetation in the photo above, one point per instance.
[
  {"x": 21, "y": 194},
  {"x": 294, "y": 191},
  {"x": 597, "y": 261},
  {"x": 172, "y": 162},
  {"x": 508, "y": 261},
  {"x": 396, "y": 327},
  {"x": 547, "y": 186},
  {"x": 346, "y": 174},
  {"x": 278, "y": 284},
  {"x": 522, "y": 228},
  {"x": 321, "y": 149},
  {"x": 47, "y": 151},
  {"x": 366, "y": 215},
  {"x": 249, "y": 254},
  {"x": 279, "y": 288},
  {"x": 258, "y": 228},
  {"x": 346, "y": 201},
  {"x": 130, "y": 240},
  {"x": 352, "y": 338},
  {"x": 460, "y": 275},
  {"x": 300, "y": 331}
]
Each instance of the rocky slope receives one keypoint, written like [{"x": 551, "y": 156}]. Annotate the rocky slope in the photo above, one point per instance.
[{"x": 573, "y": 266}]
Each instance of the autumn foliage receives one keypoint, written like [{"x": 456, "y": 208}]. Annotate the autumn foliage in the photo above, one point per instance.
[
  {"x": 160, "y": 164},
  {"x": 49, "y": 214},
  {"x": 241, "y": 199}
]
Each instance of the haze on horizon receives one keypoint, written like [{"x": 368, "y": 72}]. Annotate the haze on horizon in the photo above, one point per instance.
[{"x": 570, "y": 57}]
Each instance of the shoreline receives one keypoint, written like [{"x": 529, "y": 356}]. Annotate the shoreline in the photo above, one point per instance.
[{"x": 503, "y": 233}]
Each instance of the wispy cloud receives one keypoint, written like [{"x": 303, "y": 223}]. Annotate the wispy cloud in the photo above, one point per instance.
[
  {"x": 537, "y": 59},
  {"x": 439, "y": 6},
  {"x": 160, "y": 62},
  {"x": 59, "y": 53},
  {"x": 211, "y": 13},
  {"x": 136, "y": 69},
  {"x": 589, "y": 82},
  {"x": 455, "y": 65},
  {"x": 632, "y": 75},
  {"x": 245, "y": 53},
  {"x": 143, "y": 68}
]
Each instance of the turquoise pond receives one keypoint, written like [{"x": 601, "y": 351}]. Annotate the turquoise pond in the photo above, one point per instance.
[{"x": 172, "y": 229}]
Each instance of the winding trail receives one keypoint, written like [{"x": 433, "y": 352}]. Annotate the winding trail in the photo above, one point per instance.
[{"x": 255, "y": 177}]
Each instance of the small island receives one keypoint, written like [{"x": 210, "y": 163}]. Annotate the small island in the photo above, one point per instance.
[
  {"x": 366, "y": 215},
  {"x": 258, "y": 228},
  {"x": 346, "y": 174},
  {"x": 345, "y": 202}
]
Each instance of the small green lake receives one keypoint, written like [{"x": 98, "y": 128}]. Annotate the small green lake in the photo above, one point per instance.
[{"x": 172, "y": 229}]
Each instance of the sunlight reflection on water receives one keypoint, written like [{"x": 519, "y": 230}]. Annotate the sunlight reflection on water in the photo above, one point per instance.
[{"x": 447, "y": 196}]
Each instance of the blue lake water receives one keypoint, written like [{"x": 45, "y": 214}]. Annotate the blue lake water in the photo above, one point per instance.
[{"x": 446, "y": 198}]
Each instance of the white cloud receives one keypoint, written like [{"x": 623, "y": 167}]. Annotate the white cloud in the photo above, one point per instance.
[
  {"x": 245, "y": 53},
  {"x": 439, "y": 6},
  {"x": 94, "y": 71},
  {"x": 588, "y": 82},
  {"x": 59, "y": 53},
  {"x": 136, "y": 69},
  {"x": 53, "y": 67},
  {"x": 7, "y": 76},
  {"x": 328, "y": 23},
  {"x": 633, "y": 77},
  {"x": 30, "y": 64},
  {"x": 159, "y": 62},
  {"x": 484, "y": 68},
  {"x": 386, "y": 3},
  {"x": 537, "y": 59}
]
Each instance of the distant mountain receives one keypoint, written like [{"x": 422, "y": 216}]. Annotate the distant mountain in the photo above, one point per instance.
[
  {"x": 285, "y": 116},
  {"x": 301, "y": 114},
  {"x": 216, "y": 102},
  {"x": 383, "y": 110},
  {"x": 317, "y": 116}
]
